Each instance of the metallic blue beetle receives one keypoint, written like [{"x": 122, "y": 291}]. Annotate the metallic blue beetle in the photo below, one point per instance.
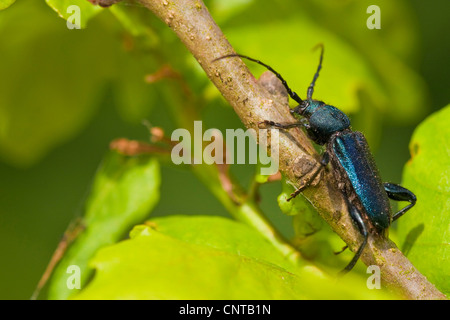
[{"x": 353, "y": 165}]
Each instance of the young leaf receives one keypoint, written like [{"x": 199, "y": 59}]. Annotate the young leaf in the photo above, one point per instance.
[
  {"x": 223, "y": 234},
  {"x": 49, "y": 98},
  {"x": 195, "y": 258},
  {"x": 124, "y": 191},
  {"x": 6, "y": 3},
  {"x": 63, "y": 8},
  {"x": 425, "y": 229}
]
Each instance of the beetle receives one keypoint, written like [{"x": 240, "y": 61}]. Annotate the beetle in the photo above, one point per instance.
[{"x": 353, "y": 165}]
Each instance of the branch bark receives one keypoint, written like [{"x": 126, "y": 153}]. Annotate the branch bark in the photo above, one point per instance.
[{"x": 195, "y": 27}]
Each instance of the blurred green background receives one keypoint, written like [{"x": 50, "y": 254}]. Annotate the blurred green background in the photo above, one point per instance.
[{"x": 65, "y": 94}]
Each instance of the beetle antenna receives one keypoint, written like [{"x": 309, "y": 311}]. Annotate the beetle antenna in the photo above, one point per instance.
[
  {"x": 291, "y": 93},
  {"x": 316, "y": 75}
]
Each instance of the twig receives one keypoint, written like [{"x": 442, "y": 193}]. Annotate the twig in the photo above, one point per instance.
[
  {"x": 195, "y": 27},
  {"x": 69, "y": 236}
]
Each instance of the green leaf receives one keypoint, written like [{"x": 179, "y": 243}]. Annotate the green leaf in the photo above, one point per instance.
[
  {"x": 124, "y": 192},
  {"x": 44, "y": 104},
  {"x": 63, "y": 8},
  {"x": 223, "y": 234},
  {"x": 6, "y": 3},
  {"x": 425, "y": 229},
  {"x": 66, "y": 88},
  {"x": 195, "y": 258}
]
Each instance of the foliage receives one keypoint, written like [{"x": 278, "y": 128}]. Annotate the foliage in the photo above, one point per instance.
[
  {"x": 199, "y": 257},
  {"x": 124, "y": 191},
  {"x": 69, "y": 64},
  {"x": 425, "y": 233},
  {"x": 61, "y": 7},
  {"x": 6, "y": 3}
]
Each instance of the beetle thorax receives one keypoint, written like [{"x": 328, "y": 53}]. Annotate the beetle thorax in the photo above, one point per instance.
[{"x": 324, "y": 120}]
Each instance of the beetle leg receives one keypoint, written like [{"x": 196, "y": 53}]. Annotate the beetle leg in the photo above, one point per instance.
[
  {"x": 323, "y": 163},
  {"x": 283, "y": 125},
  {"x": 359, "y": 221},
  {"x": 399, "y": 193}
]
